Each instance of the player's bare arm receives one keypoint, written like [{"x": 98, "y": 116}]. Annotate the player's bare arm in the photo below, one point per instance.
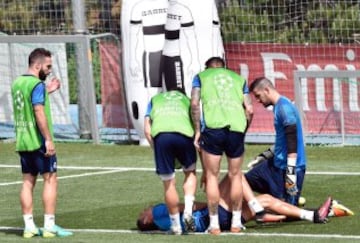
[
  {"x": 195, "y": 114},
  {"x": 249, "y": 111},
  {"x": 195, "y": 108},
  {"x": 195, "y": 111},
  {"x": 43, "y": 126},
  {"x": 147, "y": 130}
]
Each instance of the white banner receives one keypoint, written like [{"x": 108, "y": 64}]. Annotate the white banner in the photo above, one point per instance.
[
  {"x": 165, "y": 43},
  {"x": 14, "y": 62}
]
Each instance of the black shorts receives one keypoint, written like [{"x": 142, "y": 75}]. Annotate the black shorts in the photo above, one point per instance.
[
  {"x": 218, "y": 141},
  {"x": 171, "y": 146},
  {"x": 35, "y": 162}
]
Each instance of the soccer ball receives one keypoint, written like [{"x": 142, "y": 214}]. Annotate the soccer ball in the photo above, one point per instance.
[{"x": 302, "y": 201}]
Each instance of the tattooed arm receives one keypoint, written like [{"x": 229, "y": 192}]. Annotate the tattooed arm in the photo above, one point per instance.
[{"x": 195, "y": 114}]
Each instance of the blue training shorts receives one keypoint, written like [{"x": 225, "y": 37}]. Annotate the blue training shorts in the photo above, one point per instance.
[
  {"x": 35, "y": 162},
  {"x": 217, "y": 141},
  {"x": 171, "y": 146}
]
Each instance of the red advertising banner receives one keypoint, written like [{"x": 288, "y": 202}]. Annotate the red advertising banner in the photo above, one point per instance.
[
  {"x": 112, "y": 91},
  {"x": 323, "y": 105},
  {"x": 321, "y": 97}
]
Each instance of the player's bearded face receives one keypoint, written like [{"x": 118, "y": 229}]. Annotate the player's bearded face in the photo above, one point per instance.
[{"x": 42, "y": 74}]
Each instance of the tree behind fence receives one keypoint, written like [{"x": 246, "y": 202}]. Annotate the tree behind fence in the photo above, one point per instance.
[{"x": 272, "y": 38}]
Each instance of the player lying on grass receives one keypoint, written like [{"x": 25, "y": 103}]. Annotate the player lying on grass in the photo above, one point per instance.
[{"x": 157, "y": 217}]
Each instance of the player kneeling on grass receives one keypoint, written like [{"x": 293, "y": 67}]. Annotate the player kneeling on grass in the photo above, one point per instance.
[
  {"x": 337, "y": 209},
  {"x": 157, "y": 217}
]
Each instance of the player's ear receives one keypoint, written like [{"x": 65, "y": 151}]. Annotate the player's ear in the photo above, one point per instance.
[
  {"x": 37, "y": 65},
  {"x": 267, "y": 90}
]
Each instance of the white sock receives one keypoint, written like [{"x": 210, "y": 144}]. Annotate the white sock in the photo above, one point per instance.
[
  {"x": 307, "y": 215},
  {"x": 255, "y": 205},
  {"x": 236, "y": 219},
  {"x": 175, "y": 220},
  {"x": 49, "y": 221},
  {"x": 214, "y": 221},
  {"x": 189, "y": 202},
  {"x": 29, "y": 221}
]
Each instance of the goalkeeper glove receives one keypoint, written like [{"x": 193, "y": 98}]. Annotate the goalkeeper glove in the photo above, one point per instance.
[
  {"x": 290, "y": 185},
  {"x": 265, "y": 155},
  {"x": 290, "y": 178},
  {"x": 269, "y": 153}
]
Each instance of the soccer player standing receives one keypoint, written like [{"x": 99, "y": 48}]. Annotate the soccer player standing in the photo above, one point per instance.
[
  {"x": 281, "y": 176},
  {"x": 34, "y": 141},
  {"x": 227, "y": 112}
]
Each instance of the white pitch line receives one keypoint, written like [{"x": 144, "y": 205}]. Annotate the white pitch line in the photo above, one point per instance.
[
  {"x": 122, "y": 231},
  {"x": 69, "y": 176},
  {"x": 153, "y": 169},
  {"x": 90, "y": 168},
  {"x": 332, "y": 173}
]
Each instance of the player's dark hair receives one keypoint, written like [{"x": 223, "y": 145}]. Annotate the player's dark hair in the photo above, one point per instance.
[
  {"x": 145, "y": 226},
  {"x": 214, "y": 62},
  {"x": 38, "y": 54},
  {"x": 260, "y": 82}
]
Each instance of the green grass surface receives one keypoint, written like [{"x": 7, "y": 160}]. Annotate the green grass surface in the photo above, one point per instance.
[{"x": 112, "y": 201}]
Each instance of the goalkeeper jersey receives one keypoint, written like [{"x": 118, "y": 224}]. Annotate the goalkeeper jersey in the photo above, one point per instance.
[{"x": 285, "y": 114}]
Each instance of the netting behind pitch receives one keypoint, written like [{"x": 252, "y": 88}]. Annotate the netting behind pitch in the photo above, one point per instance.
[
  {"x": 276, "y": 38},
  {"x": 43, "y": 18},
  {"x": 262, "y": 38}
]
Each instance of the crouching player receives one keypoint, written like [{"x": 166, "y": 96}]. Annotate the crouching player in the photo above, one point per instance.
[{"x": 337, "y": 209}]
